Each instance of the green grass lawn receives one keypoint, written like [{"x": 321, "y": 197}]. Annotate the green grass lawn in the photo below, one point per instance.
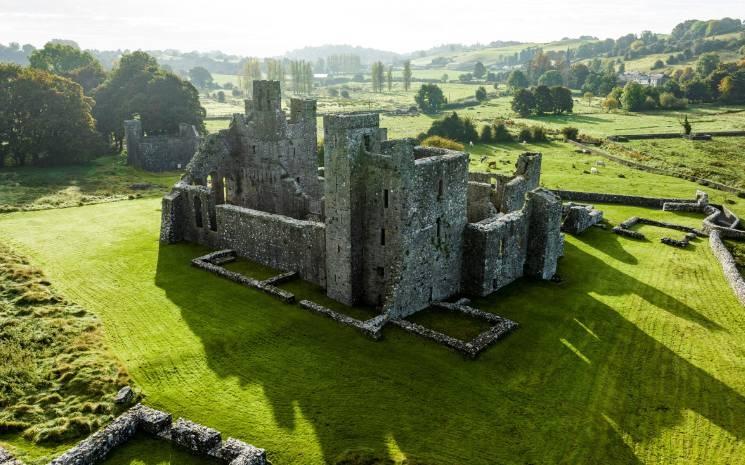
[
  {"x": 636, "y": 357},
  {"x": 146, "y": 450},
  {"x": 104, "y": 179},
  {"x": 720, "y": 159}
]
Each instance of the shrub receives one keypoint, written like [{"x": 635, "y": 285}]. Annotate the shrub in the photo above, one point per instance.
[
  {"x": 671, "y": 102},
  {"x": 570, "y": 133},
  {"x": 345, "y": 93},
  {"x": 538, "y": 133},
  {"x": 500, "y": 133},
  {"x": 442, "y": 142},
  {"x": 481, "y": 94},
  {"x": 332, "y": 92},
  {"x": 525, "y": 135},
  {"x": 486, "y": 135}
]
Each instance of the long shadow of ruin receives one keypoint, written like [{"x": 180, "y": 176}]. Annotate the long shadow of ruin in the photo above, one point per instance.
[{"x": 577, "y": 383}]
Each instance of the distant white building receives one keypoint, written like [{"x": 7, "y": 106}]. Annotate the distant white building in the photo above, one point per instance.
[{"x": 654, "y": 80}]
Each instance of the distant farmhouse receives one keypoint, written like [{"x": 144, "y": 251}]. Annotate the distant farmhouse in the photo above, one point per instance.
[
  {"x": 653, "y": 80},
  {"x": 383, "y": 223}
]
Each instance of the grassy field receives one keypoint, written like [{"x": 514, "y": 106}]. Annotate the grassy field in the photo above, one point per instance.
[
  {"x": 102, "y": 180},
  {"x": 636, "y": 357},
  {"x": 57, "y": 378},
  {"x": 146, "y": 450},
  {"x": 719, "y": 160}
]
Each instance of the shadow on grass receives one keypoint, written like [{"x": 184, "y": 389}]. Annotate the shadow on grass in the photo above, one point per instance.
[{"x": 555, "y": 391}]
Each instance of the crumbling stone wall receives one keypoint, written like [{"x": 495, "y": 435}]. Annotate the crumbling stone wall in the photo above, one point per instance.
[
  {"x": 274, "y": 240},
  {"x": 729, "y": 266},
  {"x": 578, "y": 218},
  {"x": 160, "y": 153}
]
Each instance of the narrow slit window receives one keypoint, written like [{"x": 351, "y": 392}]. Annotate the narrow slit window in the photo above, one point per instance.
[
  {"x": 198, "y": 211},
  {"x": 438, "y": 229},
  {"x": 501, "y": 247},
  {"x": 368, "y": 142},
  {"x": 225, "y": 190},
  {"x": 385, "y": 198},
  {"x": 439, "y": 190},
  {"x": 382, "y": 236}
]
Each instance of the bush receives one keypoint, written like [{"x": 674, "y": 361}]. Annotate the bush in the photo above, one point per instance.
[
  {"x": 442, "y": 142},
  {"x": 332, "y": 92},
  {"x": 454, "y": 127},
  {"x": 538, "y": 134},
  {"x": 671, "y": 102},
  {"x": 525, "y": 135},
  {"x": 486, "y": 135},
  {"x": 570, "y": 133},
  {"x": 650, "y": 103},
  {"x": 345, "y": 93},
  {"x": 481, "y": 94},
  {"x": 500, "y": 133}
]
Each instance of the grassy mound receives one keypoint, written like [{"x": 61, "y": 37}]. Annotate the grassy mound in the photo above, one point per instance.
[{"x": 56, "y": 380}]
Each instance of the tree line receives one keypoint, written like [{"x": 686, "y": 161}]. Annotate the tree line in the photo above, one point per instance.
[{"x": 64, "y": 108}]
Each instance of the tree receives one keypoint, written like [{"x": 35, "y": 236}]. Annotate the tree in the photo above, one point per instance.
[
  {"x": 137, "y": 86},
  {"x": 251, "y": 72},
  {"x": 551, "y": 78},
  {"x": 407, "y": 75},
  {"x": 610, "y": 103},
  {"x": 578, "y": 75},
  {"x": 44, "y": 118},
  {"x": 523, "y": 102},
  {"x": 454, "y": 127},
  {"x": 221, "y": 96},
  {"x": 544, "y": 103},
  {"x": 69, "y": 62},
  {"x": 659, "y": 64},
  {"x": 200, "y": 77},
  {"x": 479, "y": 70},
  {"x": 732, "y": 88},
  {"x": 562, "y": 100},
  {"x": 706, "y": 64},
  {"x": 686, "y": 126},
  {"x": 481, "y": 94},
  {"x": 275, "y": 71},
  {"x": 697, "y": 91},
  {"x": 634, "y": 97},
  {"x": 444, "y": 78},
  {"x": 389, "y": 78},
  {"x": 500, "y": 133},
  {"x": 517, "y": 80},
  {"x": 377, "y": 74},
  {"x": 430, "y": 98},
  {"x": 570, "y": 133}
]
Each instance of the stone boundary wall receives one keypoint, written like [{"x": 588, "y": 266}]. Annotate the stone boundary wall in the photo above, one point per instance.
[
  {"x": 677, "y": 135},
  {"x": 499, "y": 329},
  {"x": 6, "y": 458},
  {"x": 624, "y": 229},
  {"x": 371, "y": 328},
  {"x": 662, "y": 171},
  {"x": 212, "y": 262},
  {"x": 723, "y": 221},
  {"x": 197, "y": 438},
  {"x": 577, "y": 218},
  {"x": 731, "y": 273},
  {"x": 633, "y": 200}
]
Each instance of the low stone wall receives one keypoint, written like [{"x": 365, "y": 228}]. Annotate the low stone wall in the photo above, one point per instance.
[
  {"x": 723, "y": 221},
  {"x": 624, "y": 229},
  {"x": 677, "y": 135},
  {"x": 499, "y": 329},
  {"x": 731, "y": 273},
  {"x": 207, "y": 262},
  {"x": 195, "y": 437},
  {"x": 601, "y": 197},
  {"x": 371, "y": 328},
  {"x": 6, "y": 458}
]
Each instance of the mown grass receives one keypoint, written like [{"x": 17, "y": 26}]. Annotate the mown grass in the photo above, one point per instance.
[
  {"x": 146, "y": 450},
  {"x": 720, "y": 159},
  {"x": 104, "y": 179},
  {"x": 57, "y": 379},
  {"x": 635, "y": 357},
  {"x": 738, "y": 252}
]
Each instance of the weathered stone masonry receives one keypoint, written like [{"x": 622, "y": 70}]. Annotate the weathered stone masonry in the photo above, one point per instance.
[
  {"x": 388, "y": 224},
  {"x": 162, "y": 152}
]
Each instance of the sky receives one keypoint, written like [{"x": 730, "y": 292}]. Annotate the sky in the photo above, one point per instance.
[{"x": 271, "y": 28}]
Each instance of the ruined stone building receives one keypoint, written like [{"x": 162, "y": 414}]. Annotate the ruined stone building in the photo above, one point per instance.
[
  {"x": 382, "y": 223},
  {"x": 161, "y": 152}
]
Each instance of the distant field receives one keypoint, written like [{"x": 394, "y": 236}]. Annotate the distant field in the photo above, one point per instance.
[{"x": 722, "y": 159}]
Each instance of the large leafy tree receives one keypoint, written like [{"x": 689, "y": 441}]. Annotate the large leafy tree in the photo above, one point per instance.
[
  {"x": 138, "y": 86},
  {"x": 551, "y": 78},
  {"x": 633, "y": 97},
  {"x": 69, "y": 62},
  {"x": 544, "y": 102},
  {"x": 523, "y": 102},
  {"x": 562, "y": 100},
  {"x": 732, "y": 88},
  {"x": 407, "y": 75},
  {"x": 44, "y": 118},
  {"x": 200, "y": 77},
  {"x": 479, "y": 70},
  {"x": 518, "y": 80},
  {"x": 430, "y": 98},
  {"x": 707, "y": 63}
]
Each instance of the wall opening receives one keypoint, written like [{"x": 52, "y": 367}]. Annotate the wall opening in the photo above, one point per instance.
[
  {"x": 368, "y": 142},
  {"x": 382, "y": 236},
  {"x": 438, "y": 230},
  {"x": 225, "y": 190},
  {"x": 381, "y": 271},
  {"x": 210, "y": 181},
  {"x": 198, "y": 211},
  {"x": 439, "y": 189},
  {"x": 501, "y": 248},
  {"x": 213, "y": 217},
  {"x": 385, "y": 198}
]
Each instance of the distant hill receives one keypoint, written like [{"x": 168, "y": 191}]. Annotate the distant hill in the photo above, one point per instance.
[{"x": 367, "y": 55}]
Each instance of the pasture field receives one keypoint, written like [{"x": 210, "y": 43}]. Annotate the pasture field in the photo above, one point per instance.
[
  {"x": 720, "y": 160},
  {"x": 635, "y": 357},
  {"x": 104, "y": 179}
]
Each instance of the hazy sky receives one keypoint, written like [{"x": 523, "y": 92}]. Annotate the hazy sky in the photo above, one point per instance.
[{"x": 266, "y": 27}]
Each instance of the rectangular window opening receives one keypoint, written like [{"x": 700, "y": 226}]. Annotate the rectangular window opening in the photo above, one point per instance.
[
  {"x": 382, "y": 236},
  {"x": 368, "y": 142},
  {"x": 381, "y": 271},
  {"x": 385, "y": 198},
  {"x": 439, "y": 190}
]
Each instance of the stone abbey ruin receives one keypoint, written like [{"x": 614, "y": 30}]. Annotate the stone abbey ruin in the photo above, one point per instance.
[
  {"x": 161, "y": 152},
  {"x": 382, "y": 223}
]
